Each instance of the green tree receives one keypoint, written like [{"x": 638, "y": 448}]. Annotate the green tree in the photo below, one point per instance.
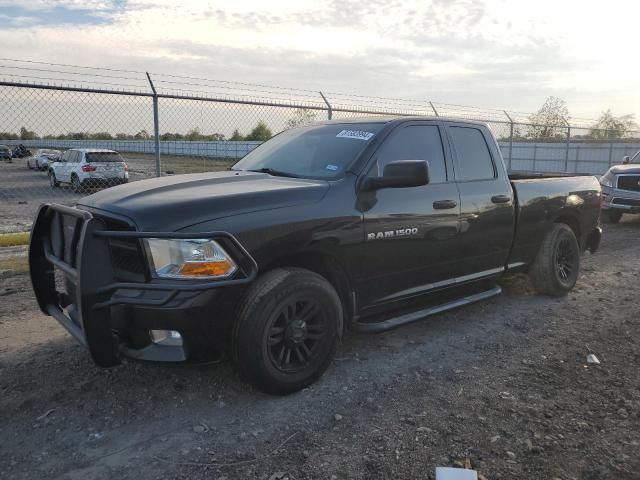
[
  {"x": 101, "y": 136},
  {"x": 301, "y": 117},
  {"x": 27, "y": 134},
  {"x": 610, "y": 127},
  {"x": 237, "y": 136},
  {"x": 8, "y": 136},
  {"x": 550, "y": 121},
  {"x": 142, "y": 135},
  {"x": 260, "y": 133}
]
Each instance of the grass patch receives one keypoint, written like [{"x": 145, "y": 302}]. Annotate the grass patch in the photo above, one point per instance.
[
  {"x": 12, "y": 239},
  {"x": 15, "y": 264}
]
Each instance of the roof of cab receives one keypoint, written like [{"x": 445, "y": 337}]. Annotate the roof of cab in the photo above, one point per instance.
[
  {"x": 399, "y": 119},
  {"x": 92, "y": 150}
]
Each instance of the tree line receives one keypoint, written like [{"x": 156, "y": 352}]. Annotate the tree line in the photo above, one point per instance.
[{"x": 260, "y": 132}]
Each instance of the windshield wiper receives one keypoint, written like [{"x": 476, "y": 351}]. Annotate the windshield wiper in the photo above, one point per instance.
[{"x": 275, "y": 173}]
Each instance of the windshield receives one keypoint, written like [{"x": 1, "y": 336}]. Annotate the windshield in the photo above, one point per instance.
[
  {"x": 318, "y": 151},
  {"x": 48, "y": 152},
  {"x": 103, "y": 157}
]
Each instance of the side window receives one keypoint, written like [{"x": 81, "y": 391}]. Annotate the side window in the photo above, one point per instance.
[
  {"x": 415, "y": 142},
  {"x": 74, "y": 157},
  {"x": 65, "y": 156},
  {"x": 474, "y": 159}
]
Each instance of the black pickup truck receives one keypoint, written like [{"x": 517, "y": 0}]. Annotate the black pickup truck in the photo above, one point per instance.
[{"x": 364, "y": 224}]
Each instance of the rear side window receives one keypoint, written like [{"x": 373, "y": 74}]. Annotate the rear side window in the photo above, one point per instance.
[
  {"x": 415, "y": 142},
  {"x": 103, "y": 157},
  {"x": 474, "y": 159}
]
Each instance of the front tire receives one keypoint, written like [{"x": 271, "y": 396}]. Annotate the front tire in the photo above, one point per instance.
[
  {"x": 557, "y": 265},
  {"x": 286, "y": 330},
  {"x": 52, "y": 180}
]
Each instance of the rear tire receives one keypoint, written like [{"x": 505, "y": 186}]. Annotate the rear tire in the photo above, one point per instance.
[
  {"x": 557, "y": 265},
  {"x": 286, "y": 330},
  {"x": 52, "y": 180},
  {"x": 613, "y": 216},
  {"x": 76, "y": 186}
]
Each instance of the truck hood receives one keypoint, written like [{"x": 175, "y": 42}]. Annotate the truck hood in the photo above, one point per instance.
[
  {"x": 172, "y": 203},
  {"x": 629, "y": 168}
]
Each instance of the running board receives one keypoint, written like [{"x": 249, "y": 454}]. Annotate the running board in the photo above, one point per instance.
[{"x": 375, "y": 327}]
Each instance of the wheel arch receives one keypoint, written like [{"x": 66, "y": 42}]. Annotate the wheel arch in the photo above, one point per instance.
[
  {"x": 328, "y": 267},
  {"x": 572, "y": 222}
]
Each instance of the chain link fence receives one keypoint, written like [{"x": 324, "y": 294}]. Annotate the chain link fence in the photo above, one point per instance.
[{"x": 167, "y": 125}]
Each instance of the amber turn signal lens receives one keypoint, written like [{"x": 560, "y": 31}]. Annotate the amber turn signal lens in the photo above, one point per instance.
[{"x": 206, "y": 269}]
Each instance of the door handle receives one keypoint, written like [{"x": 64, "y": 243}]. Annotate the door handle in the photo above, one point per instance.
[
  {"x": 501, "y": 198},
  {"x": 444, "y": 204}
]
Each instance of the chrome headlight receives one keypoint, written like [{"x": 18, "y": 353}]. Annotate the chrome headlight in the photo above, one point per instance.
[{"x": 192, "y": 258}]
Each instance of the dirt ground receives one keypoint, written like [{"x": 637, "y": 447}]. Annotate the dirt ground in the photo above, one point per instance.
[{"x": 503, "y": 383}]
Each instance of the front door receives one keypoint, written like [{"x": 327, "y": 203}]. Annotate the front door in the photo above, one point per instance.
[{"x": 408, "y": 231}]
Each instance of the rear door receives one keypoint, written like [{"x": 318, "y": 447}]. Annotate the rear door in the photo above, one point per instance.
[
  {"x": 487, "y": 214},
  {"x": 63, "y": 166},
  {"x": 408, "y": 231}
]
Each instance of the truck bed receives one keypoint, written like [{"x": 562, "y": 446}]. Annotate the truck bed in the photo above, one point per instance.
[{"x": 544, "y": 199}]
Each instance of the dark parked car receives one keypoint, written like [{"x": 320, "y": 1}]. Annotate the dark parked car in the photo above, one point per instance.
[
  {"x": 21, "y": 152},
  {"x": 621, "y": 189},
  {"x": 5, "y": 153},
  {"x": 366, "y": 224}
]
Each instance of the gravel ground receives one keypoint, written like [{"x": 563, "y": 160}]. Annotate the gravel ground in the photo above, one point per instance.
[{"x": 503, "y": 384}]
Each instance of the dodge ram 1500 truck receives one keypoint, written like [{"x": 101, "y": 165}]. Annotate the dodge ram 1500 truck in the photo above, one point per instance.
[{"x": 365, "y": 224}]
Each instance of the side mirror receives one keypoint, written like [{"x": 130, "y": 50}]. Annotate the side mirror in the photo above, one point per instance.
[
  {"x": 400, "y": 174},
  {"x": 626, "y": 159}
]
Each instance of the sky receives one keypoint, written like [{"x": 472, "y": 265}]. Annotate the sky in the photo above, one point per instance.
[{"x": 486, "y": 53}]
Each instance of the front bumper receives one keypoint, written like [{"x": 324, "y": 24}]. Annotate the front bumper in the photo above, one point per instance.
[
  {"x": 625, "y": 201},
  {"x": 113, "y": 317}
]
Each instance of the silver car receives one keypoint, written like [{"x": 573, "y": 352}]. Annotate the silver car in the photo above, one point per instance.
[
  {"x": 621, "y": 189},
  {"x": 41, "y": 159}
]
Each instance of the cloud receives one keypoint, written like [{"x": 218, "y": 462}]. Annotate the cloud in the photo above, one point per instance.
[{"x": 485, "y": 52}]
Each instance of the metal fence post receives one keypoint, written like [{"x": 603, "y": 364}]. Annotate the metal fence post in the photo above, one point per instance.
[
  {"x": 434, "y": 109},
  {"x": 510, "y": 139},
  {"x": 329, "y": 108},
  {"x": 535, "y": 150},
  {"x": 156, "y": 125},
  {"x": 566, "y": 153},
  {"x": 610, "y": 151}
]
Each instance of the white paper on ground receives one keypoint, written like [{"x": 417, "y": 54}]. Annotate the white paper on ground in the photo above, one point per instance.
[{"x": 448, "y": 473}]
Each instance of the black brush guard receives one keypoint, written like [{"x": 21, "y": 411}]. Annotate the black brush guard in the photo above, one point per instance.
[{"x": 76, "y": 242}]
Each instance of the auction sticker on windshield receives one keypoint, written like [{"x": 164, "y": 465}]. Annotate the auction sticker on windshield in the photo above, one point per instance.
[{"x": 357, "y": 134}]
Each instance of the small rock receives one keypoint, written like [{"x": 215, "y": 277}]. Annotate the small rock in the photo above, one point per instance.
[
  {"x": 337, "y": 417},
  {"x": 623, "y": 413},
  {"x": 305, "y": 453},
  {"x": 458, "y": 464},
  {"x": 592, "y": 359},
  {"x": 495, "y": 438},
  {"x": 529, "y": 444},
  {"x": 481, "y": 477},
  {"x": 511, "y": 455},
  {"x": 199, "y": 429},
  {"x": 424, "y": 429},
  {"x": 243, "y": 436}
]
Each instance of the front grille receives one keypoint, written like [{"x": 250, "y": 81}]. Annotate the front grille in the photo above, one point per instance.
[
  {"x": 127, "y": 258},
  {"x": 626, "y": 201},
  {"x": 629, "y": 182}
]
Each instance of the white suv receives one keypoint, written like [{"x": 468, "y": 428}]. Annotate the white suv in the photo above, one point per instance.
[{"x": 86, "y": 168}]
